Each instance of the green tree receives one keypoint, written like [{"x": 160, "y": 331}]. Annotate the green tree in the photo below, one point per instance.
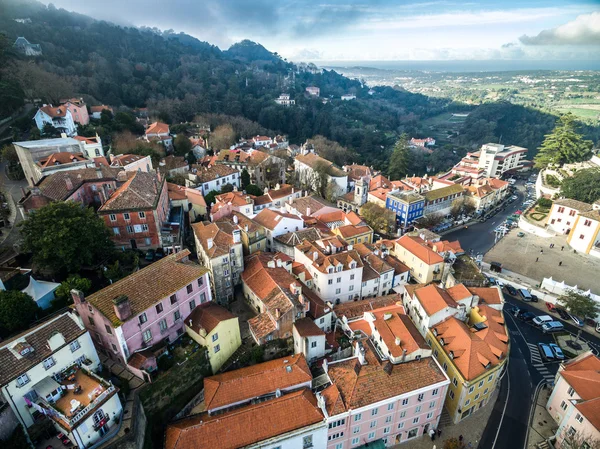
[
  {"x": 462, "y": 206},
  {"x": 64, "y": 237},
  {"x": 9, "y": 154},
  {"x": 114, "y": 272},
  {"x": 227, "y": 188},
  {"x": 50, "y": 131},
  {"x": 564, "y": 145},
  {"x": 400, "y": 159},
  {"x": 245, "y": 178},
  {"x": 17, "y": 311},
  {"x": 253, "y": 189},
  {"x": 584, "y": 186},
  {"x": 578, "y": 304},
  {"x": 182, "y": 144},
  {"x": 63, "y": 293},
  {"x": 382, "y": 220},
  {"x": 210, "y": 197}
]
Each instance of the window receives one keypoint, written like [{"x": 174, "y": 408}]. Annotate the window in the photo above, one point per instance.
[
  {"x": 402, "y": 413},
  {"x": 587, "y": 223},
  {"x": 480, "y": 384},
  {"x": 112, "y": 217},
  {"x": 416, "y": 420},
  {"x": 429, "y": 415},
  {"x": 142, "y": 318},
  {"x": 451, "y": 394},
  {"x": 476, "y": 397},
  {"x": 22, "y": 380},
  {"x": 490, "y": 378},
  {"x": 405, "y": 401},
  {"x": 420, "y": 397},
  {"x": 49, "y": 363},
  {"x": 578, "y": 418},
  {"x": 563, "y": 405},
  {"x": 486, "y": 391},
  {"x": 126, "y": 216},
  {"x": 200, "y": 282},
  {"x": 75, "y": 345},
  {"x": 467, "y": 402},
  {"x": 355, "y": 441},
  {"x": 159, "y": 307},
  {"x": 330, "y": 281},
  {"x": 373, "y": 424},
  {"x": 351, "y": 288},
  {"x": 335, "y": 436},
  {"x": 116, "y": 231},
  {"x": 163, "y": 325},
  {"x": 418, "y": 409},
  {"x": 142, "y": 214},
  {"x": 147, "y": 335},
  {"x": 432, "y": 404},
  {"x": 445, "y": 366},
  {"x": 357, "y": 417},
  {"x": 114, "y": 347},
  {"x": 108, "y": 329},
  {"x": 351, "y": 277},
  {"x": 570, "y": 392},
  {"x": 307, "y": 442},
  {"x": 217, "y": 348},
  {"x": 356, "y": 429},
  {"x": 471, "y": 389},
  {"x": 390, "y": 406},
  {"x": 374, "y": 412},
  {"x": 173, "y": 299},
  {"x": 144, "y": 228},
  {"x": 129, "y": 229},
  {"x": 339, "y": 446},
  {"x": 225, "y": 272},
  {"x": 338, "y": 280},
  {"x": 91, "y": 320},
  {"x": 189, "y": 288},
  {"x": 337, "y": 291},
  {"x": 192, "y": 304},
  {"x": 435, "y": 391},
  {"x": 386, "y": 430},
  {"x": 202, "y": 297},
  {"x": 176, "y": 315},
  {"x": 313, "y": 344},
  {"x": 371, "y": 435}
]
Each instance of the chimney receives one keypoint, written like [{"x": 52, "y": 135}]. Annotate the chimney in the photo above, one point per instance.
[
  {"x": 78, "y": 296},
  {"x": 235, "y": 219},
  {"x": 435, "y": 248},
  {"x": 122, "y": 307},
  {"x": 279, "y": 263},
  {"x": 63, "y": 135},
  {"x": 277, "y": 314},
  {"x": 315, "y": 255},
  {"x": 270, "y": 264},
  {"x": 308, "y": 211},
  {"x": 69, "y": 183},
  {"x": 398, "y": 341},
  {"x": 403, "y": 355},
  {"x": 209, "y": 243},
  {"x": 99, "y": 174}
]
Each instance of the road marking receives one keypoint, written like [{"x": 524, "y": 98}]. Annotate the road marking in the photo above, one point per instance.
[{"x": 504, "y": 409}]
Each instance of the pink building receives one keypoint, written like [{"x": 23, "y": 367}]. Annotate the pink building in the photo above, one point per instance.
[
  {"x": 131, "y": 319},
  {"x": 78, "y": 110},
  {"x": 575, "y": 402},
  {"x": 390, "y": 390}
]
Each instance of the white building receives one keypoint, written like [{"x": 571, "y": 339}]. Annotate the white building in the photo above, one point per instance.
[
  {"x": 313, "y": 91},
  {"x": 49, "y": 370},
  {"x": 564, "y": 213},
  {"x": 92, "y": 146},
  {"x": 261, "y": 141},
  {"x": 207, "y": 179},
  {"x": 348, "y": 97},
  {"x": 496, "y": 159},
  {"x": 284, "y": 100},
  {"x": 59, "y": 117},
  {"x": 309, "y": 339},
  {"x": 308, "y": 166},
  {"x": 277, "y": 223},
  {"x": 132, "y": 162}
]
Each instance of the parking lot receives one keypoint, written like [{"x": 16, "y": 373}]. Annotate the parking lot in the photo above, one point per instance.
[{"x": 531, "y": 256}]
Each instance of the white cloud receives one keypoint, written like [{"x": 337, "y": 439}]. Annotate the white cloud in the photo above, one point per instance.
[{"x": 584, "y": 30}]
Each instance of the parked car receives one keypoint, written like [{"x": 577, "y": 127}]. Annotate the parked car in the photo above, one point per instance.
[
  {"x": 578, "y": 321},
  {"x": 517, "y": 311},
  {"x": 525, "y": 295},
  {"x": 558, "y": 354},
  {"x": 511, "y": 290},
  {"x": 563, "y": 313},
  {"x": 542, "y": 319},
  {"x": 551, "y": 307},
  {"x": 527, "y": 316},
  {"x": 150, "y": 255},
  {"x": 534, "y": 298},
  {"x": 552, "y": 326},
  {"x": 545, "y": 351},
  {"x": 160, "y": 253},
  {"x": 521, "y": 234},
  {"x": 598, "y": 327}
]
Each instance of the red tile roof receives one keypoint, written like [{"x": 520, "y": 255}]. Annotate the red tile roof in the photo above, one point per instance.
[
  {"x": 245, "y": 384},
  {"x": 60, "y": 158},
  {"x": 208, "y": 316},
  {"x": 247, "y": 425},
  {"x": 270, "y": 218},
  {"x": 307, "y": 328},
  {"x": 433, "y": 298},
  {"x": 142, "y": 190},
  {"x": 583, "y": 374},
  {"x": 418, "y": 247},
  {"x": 157, "y": 128},
  {"x": 55, "y": 112},
  {"x": 357, "y": 309}
]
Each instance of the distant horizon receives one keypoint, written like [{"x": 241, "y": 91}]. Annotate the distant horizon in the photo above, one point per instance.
[{"x": 458, "y": 66}]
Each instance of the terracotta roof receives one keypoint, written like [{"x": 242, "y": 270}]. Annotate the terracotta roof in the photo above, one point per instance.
[
  {"x": 355, "y": 385},
  {"x": 172, "y": 162},
  {"x": 593, "y": 214},
  {"x": 583, "y": 374},
  {"x": 245, "y": 384},
  {"x": 296, "y": 237},
  {"x": 54, "y": 112},
  {"x": 433, "y": 298},
  {"x": 246, "y": 426},
  {"x": 490, "y": 295},
  {"x": 142, "y": 190},
  {"x": 474, "y": 350},
  {"x": 325, "y": 261},
  {"x": 357, "y": 172},
  {"x": 101, "y": 161},
  {"x": 244, "y": 224},
  {"x": 121, "y": 160},
  {"x": 574, "y": 204},
  {"x": 157, "y": 128},
  {"x": 479, "y": 191},
  {"x": 353, "y": 218},
  {"x": 591, "y": 410},
  {"x": 392, "y": 323},
  {"x": 380, "y": 193},
  {"x": 250, "y": 157},
  {"x": 312, "y": 160},
  {"x": 207, "y": 316},
  {"x": 60, "y": 159},
  {"x": 317, "y": 307},
  {"x": 277, "y": 193},
  {"x": 221, "y": 241},
  {"x": 217, "y": 171},
  {"x": 151, "y": 284},
  {"x": 496, "y": 183},
  {"x": 235, "y": 198},
  {"x": 307, "y": 328},
  {"x": 356, "y": 309},
  {"x": 86, "y": 140},
  {"x": 459, "y": 292},
  {"x": 353, "y": 231},
  {"x": 176, "y": 192},
  {"x": 100, "y": 108},
  {"x": 418, "y": 247},
  {"x": 398, "y": 266},
  {"x": 37, "y": 337},
  {"x": 443, "y": 246},
  {"x": 313, "y": 203},
  {"x": 269, "y": 218},
  {"x": 262, "y": 325},
  {"x": 379, "y": 181}
]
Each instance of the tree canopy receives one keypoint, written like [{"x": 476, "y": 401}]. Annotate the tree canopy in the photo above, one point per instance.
[
  {"x": 182, "y": 144},
  {"x": 579, "y": 304},
  {"x": 584, "y": 186},
  {"x": 382, "y": 220},
  {"x": 17, "y": 311},
  {"x": 564, "y": 145},
  {"x": 64, "y": 237},
  {"x": 400, "y": 159}
]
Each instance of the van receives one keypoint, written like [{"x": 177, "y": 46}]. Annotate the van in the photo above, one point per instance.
[
  {"x": 525, "y": 294},
  {"x": 552, "y": 326},
  {"x": 542, "y": 319}
]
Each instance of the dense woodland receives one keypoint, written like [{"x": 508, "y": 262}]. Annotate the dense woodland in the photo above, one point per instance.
[{"x": 179, "y": 77}]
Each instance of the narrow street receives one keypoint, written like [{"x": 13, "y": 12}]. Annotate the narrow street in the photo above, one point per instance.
[{"x": 10, "y": 236}]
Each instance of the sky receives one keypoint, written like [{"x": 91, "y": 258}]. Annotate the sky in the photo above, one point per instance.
[{"x": 376, "y": 30}]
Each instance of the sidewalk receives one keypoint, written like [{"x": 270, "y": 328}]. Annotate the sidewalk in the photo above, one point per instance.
[
  {"x": 471, "y": 428},
  {"x": 541, "y": 426}
]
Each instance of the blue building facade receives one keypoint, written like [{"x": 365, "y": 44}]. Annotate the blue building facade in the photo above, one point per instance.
[{"x": 407, "y": 206}]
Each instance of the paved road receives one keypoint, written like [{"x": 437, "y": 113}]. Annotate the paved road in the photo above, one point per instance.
[
  {"x": 10, "y": 236},
  {"x": 479, "y": 238}
]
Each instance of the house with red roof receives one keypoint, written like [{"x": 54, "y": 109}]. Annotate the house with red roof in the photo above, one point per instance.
[
  {"x": 78, "y": 110},
  {"x": 575, "y": 401},
  {"x": 278, "y": 223},
  {"x": 159, "y": 132},
  {"x": 309, "y": 339},
  {"x": 59, "y": 117}
]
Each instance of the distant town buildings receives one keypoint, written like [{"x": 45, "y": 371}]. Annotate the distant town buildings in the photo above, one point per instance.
[
  {"x": 285, "y": 100},
  {"x": 313, "y": 91}
]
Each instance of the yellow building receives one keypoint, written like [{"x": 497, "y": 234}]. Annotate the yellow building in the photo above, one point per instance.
[
  {"x": 217, "y": 329},
  {"x": 473, "y": 354},
  {"x": 355, "y": 234}
]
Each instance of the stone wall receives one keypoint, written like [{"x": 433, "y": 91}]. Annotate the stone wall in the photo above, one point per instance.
[{"x": 8, "y": 421}]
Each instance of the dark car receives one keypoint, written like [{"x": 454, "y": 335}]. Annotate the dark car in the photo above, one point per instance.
[
  {"x": 159, "y": 253},
  {"x": 534, "y": 298},
  {"x": 511, "y": 290},
  {"x": 150, "y": 255},
  {"x": 527, "y": 316},
  {"x": 563, "y": 314},
  {"x": 518, "y": 312}
]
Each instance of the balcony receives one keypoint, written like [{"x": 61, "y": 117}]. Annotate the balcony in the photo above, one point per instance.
[{"x": 79, "y": 393}]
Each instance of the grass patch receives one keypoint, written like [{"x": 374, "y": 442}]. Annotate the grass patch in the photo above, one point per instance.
[
  {"x": 553, "y": 181},
  {"x": 537, "y": 216}
]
